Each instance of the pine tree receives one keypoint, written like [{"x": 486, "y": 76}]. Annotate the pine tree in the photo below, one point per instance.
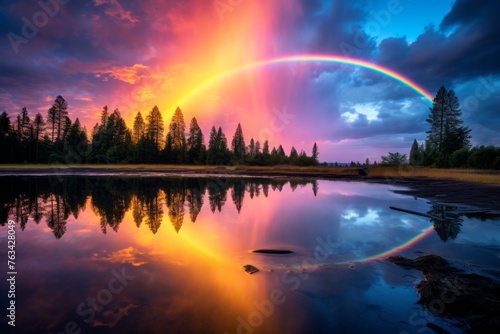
[
  {"x": 52, "y": 121},
  {"x": 437, "y": 118},
  {"x": 155, "y": 127},
  {"x": 212, "y": 147},
  {"x": 61, "y": 112},
  {"x": 23, "y": 125},
  {"x": 104, "y": 116},
  {"x": 139, "y": 129},
  {"x": 281, "y": 151},
  {"x": 222, "y": 149},
  {"x": 76, "y": 146},
  {"x": 238, "y": 143},
  {"x": 251, "y": 147},
  {"x": 456, "y": 135},
  {"x": 446, "y": 133},
  {"x": 38, "y": 131},
  {"x": 315, "y": 154},
  {"x": 257, "y": 147},
  {"x": 195, "y": 143},
  {"x": 415, "y": 154},
  {"x": 177, "y": 129},
  {"x": 265, "y": 149}
]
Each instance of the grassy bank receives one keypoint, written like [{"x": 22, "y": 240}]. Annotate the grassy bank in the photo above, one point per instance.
[{"x": 466, "y": 175}]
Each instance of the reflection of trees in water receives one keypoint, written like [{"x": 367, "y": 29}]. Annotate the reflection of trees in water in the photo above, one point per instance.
[
  {"x": 55, "y": 215},
  {"x": 154, "y": 210},
  {"x": 446, "y": 224},
  {"x": 54, "y": 199},
  {"x": 238, "y": 193},
  {"x": 194, "y": 197},
  {"x": 138, "y": 210},
  {"x": 217, "y": 196},
  {"x": 111, "y": 198},
  {"x": 175, "y": 204}
]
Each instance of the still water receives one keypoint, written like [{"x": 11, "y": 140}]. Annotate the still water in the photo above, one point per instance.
[{"x": 165, "y": 255}]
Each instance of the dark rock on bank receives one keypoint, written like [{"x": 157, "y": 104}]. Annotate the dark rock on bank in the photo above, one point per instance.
[{"x": 447, "y": 291}]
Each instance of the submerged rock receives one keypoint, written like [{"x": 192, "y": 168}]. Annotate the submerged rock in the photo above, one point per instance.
[
  {"x": 249, "y": 269},
  {"x": 272, "y": 251},
  {"x": 447, "y": 291}
]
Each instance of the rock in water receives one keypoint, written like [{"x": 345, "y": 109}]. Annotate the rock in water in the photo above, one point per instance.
[
  {"x": 272, "y": 251},
  {"x": 249, "y": 269}
]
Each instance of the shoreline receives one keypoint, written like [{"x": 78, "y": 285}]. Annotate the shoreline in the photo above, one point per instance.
[{"x": 441, "y": 186}]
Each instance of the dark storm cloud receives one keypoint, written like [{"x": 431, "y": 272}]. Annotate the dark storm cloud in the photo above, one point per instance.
[
  {"x": 339, "y": 31},
  {"x": 464, "y": 46}
]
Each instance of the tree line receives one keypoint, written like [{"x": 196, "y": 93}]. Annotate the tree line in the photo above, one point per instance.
[
  {"x": 52, "y": 200},
  {"x": 55, "y": 138},
  {"x": 448, "y": 142}
]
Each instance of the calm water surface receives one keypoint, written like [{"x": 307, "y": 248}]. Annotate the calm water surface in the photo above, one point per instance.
[{"x": 165, "y": 255}]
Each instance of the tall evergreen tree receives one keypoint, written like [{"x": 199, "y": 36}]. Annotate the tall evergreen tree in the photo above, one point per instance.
[
  {"x": 23, "y": 125},
  {"x": 456, "y": 135},
  {"x": 104, "y": 116},
  {"x": 437, "y": 118},
  {"x": 251, "y": 147},
  {"x": 139, "y": 129},
  {"x": 222, "y": 149},
  {"x": 155, "y": 127},
  {"x": 415, "y": 154},
  {"x": 257, "y": 147},
  {"x": 238, "y": 143},
  {"x": 212, "y": 147},
  {"x": 265, "y": 148},
  {"x": 51, "y": 122},
  {"x": 446, "y": 133},
  {"x": 315, "y": 154},
  {"x": 195, "y": 143},
  {"x": 177, "y": 129},
  {"x": 76, "y": 148},
  {"x": 61, "y": 112}
]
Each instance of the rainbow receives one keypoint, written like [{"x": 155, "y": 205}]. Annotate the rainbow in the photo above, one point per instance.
[
  {"x": 308, "y": 58},
  {"x": 413, "y": 241},
  {"x": 395, "y": 250}
]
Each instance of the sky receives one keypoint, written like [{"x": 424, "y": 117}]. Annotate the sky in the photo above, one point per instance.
[{"x": 133, "y": 55}]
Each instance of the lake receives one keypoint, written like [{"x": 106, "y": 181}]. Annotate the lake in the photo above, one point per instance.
[{"x": 97, "y": 254}]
